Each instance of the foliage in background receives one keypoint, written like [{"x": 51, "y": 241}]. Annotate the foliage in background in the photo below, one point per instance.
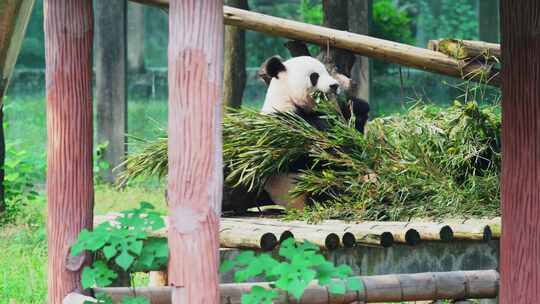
[
  {"x": 300, "y": 264},
  {"x": 19, "y": 180},
  {"x": 391, "y": 23},
  {"x": 123, "y": 244}
]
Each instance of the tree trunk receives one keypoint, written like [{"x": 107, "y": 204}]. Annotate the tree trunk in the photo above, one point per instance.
[
  {"x": 135, "y": 37},
  {"x": 234, "y": 65},
  {"x": 359, "y": 22},
  {"x": 195, "y": 177},
  {"x": 520, "y": 185},
  {"x": 488, "y": 20},
  {"x": 335, "y": 14},
  {"x": 14, "y": 16},
  {"x": 111, "y": 83},
  {"x": 70, "y": 194}
]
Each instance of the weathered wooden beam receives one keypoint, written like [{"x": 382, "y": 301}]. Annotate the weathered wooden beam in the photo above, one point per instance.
[
  {"x": 14, "y": 16},
  {"x": 70, "y": 193},
  {"x": 395, "y": 52},
  {"x": 457, "y": 285}
]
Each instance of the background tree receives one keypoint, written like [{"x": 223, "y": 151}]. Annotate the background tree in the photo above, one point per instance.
[
  {"x": 135, "y": 37},
  {"x": 70, "y": 194},
  {"x": 234, "y": 65},
  {"x": 360, "y": 13},
  {"x": 488, "y": 20},
  {"x": 111, "y": 84},
  {"x": 520, "y": 191},
  {"x": 335, "y": 15}
]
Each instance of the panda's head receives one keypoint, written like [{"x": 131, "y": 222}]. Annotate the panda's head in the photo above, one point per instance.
[{"x": 293, "y": 81}]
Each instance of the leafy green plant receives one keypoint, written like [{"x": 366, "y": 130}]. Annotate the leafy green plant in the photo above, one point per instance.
[
  {"x": 300, "y": 264},
  {"x": 122, "y": 245},
  {"x": 99, "y": 163},
  {"x": 19, "y": 179}
]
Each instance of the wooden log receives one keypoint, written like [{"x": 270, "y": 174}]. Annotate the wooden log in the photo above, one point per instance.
[
  {"x": 384, "y": 288},
  {"x": 266, "y": 233},
  {"x": 466, "y": 49},
  {"x": 395, "y": 52},
  {"x": 70, "y": 194},
  {"x": 14, "y": 16},
  {"x": 195, "y": 176}
]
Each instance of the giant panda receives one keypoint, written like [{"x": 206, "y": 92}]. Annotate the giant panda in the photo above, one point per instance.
[{"x": 291, "y": 85}]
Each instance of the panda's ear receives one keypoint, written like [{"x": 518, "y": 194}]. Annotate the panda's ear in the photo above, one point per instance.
[{"x": 274, "y": 66}]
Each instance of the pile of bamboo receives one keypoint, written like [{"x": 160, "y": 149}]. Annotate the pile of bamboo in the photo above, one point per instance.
[
  {"x": 266, "y": 233},
  {"x": 456, "y": 285}
]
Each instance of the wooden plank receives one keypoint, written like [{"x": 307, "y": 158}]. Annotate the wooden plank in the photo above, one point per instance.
[
  {"x": 195, "y": 177},
  {"x": 390, "y": 51}
]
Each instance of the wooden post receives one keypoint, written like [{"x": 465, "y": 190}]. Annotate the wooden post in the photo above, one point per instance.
[
  {"x": 195, "y": 178},
  {"x": 520, "y": 185},
  {"x": 14, "y": 16},
  {"x": 111, "y": 83},
  {"x": 70, "y": 195},
  {"x": 234, "y": 65}
]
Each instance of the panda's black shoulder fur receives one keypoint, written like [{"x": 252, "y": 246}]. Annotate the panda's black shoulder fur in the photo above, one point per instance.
[{"x": 356, "y": 106}]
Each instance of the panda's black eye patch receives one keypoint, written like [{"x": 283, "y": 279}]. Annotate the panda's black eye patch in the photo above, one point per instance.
[{"x": 314, "y": 77}]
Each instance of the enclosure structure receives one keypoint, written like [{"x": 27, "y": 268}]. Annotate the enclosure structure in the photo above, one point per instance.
[{"x": 195, "y": 180}]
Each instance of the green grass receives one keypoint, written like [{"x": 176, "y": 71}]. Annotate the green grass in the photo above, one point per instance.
[{"x": 23, "y": 262}]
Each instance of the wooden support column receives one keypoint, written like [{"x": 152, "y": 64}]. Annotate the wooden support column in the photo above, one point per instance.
[
  {"x": 520, "y": 188},
  {"x": 111, "y": 83},
  {"x": 195, "y": 175},
  {"x": 70, "y": 195},
  {"x": 14, "y": 16}
]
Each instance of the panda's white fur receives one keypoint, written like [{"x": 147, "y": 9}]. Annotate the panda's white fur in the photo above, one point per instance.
[
  {"x": 290, "y": 89},
  {"x": 292, "y": 86}
]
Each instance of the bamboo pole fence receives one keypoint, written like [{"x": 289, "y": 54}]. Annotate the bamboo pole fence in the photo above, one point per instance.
[
  {"x": 456, "y": 285},
  {"x": 399, "y": 53}
]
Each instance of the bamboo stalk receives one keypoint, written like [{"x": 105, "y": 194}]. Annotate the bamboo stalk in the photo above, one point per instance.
[
  {"x": 395, "y": 52},
  {"x": 383, "y": 288},
  {"x": 466, "y": 49}
]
